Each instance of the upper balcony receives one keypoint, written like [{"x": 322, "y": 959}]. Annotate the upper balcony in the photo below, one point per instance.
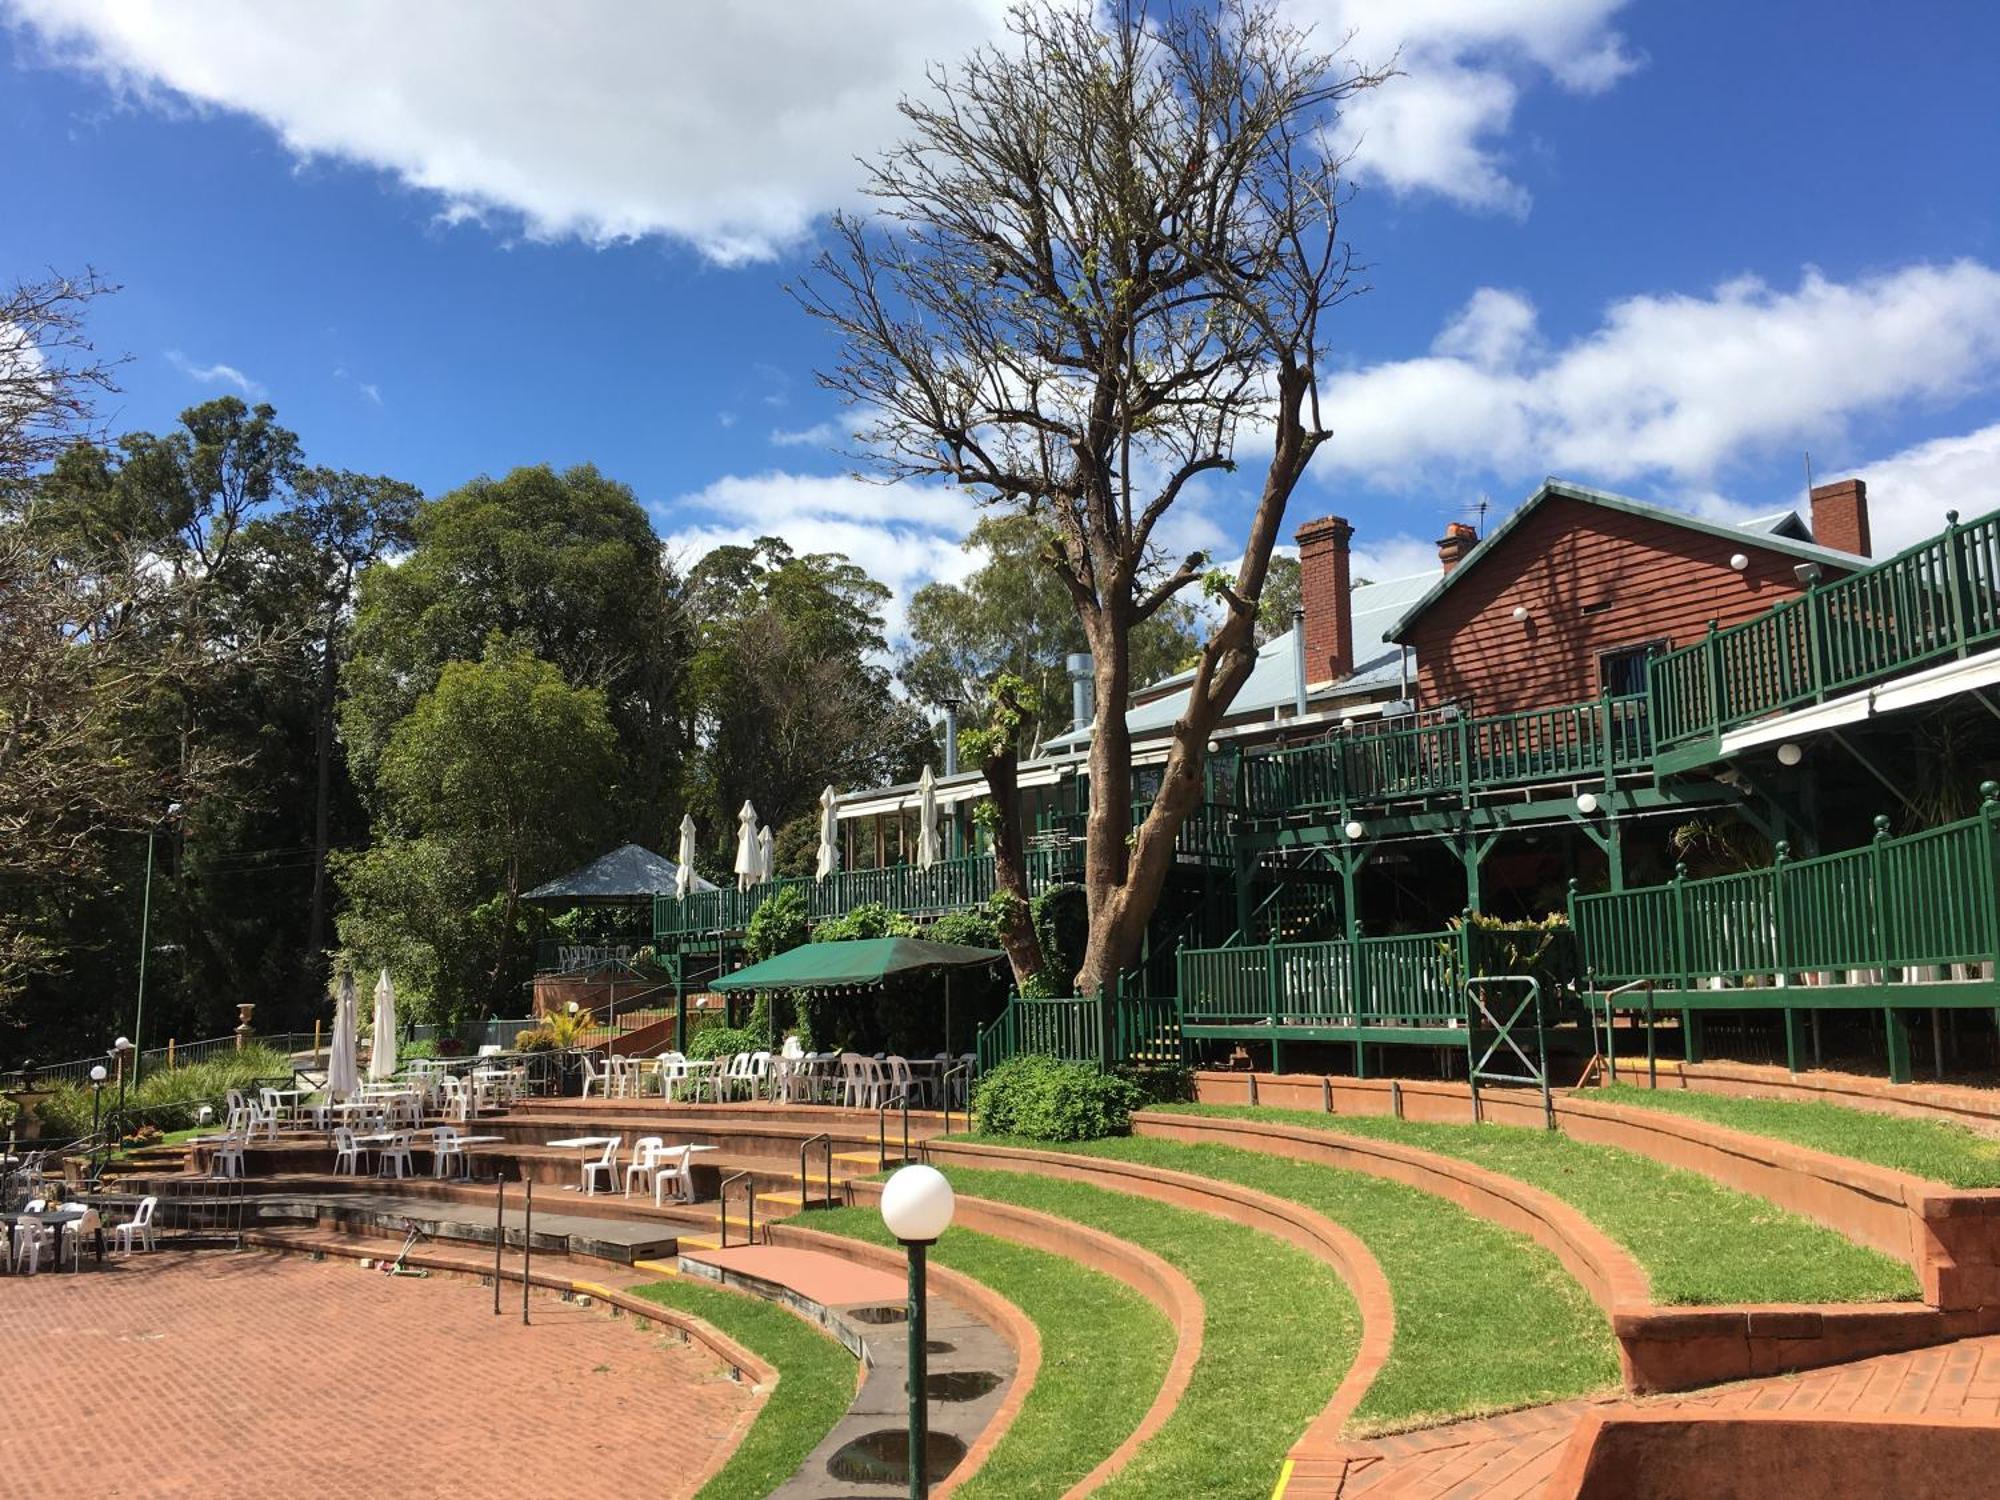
[
  {"x": 1936, "y": 601},
  {"x": 1430, "y": 756}
]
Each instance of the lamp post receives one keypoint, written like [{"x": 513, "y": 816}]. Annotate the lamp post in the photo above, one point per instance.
[
  {"x": 917, "y": 1205},
  {"x": 145, "y": 927},
  {"x": 96, "y": 1108}
]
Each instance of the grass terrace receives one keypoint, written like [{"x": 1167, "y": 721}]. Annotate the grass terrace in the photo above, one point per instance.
[
  {"x": 1486, "y": 1320},
  {"x": 816, "y": 1381},
  {"x": 1105, "y": 1352},
  {"x": 1280, "y": 1330},
  {"x": 1933, "y": 1149},
  {"x": 1700, "y": 1243}
]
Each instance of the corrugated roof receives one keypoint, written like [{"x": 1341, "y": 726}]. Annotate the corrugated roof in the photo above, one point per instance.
[{"x": 1775, "y": 539}]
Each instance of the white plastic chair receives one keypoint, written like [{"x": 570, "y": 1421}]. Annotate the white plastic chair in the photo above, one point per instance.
[
  {"x": 673, "y": 1171},
  {"x": 757, "y": 1080},
  {"x": 606, "y": 1165},
  {"x": 446, "y": 1150},
  {"x": 457, "y": 1101},
  {"x": 593, "y": 1075},
  {"x": 348, "y": 1157},
  {"x": 397, "y": 1155},
  {"x": 139, "y": 1227},
  {"x": 70, "y": 1241},
  {"x": 28, "y": 1239},
  {"x": 228, "y": 1157},
  {"x": 902, "y": 1080},
  {"x": 672, "y": 1068},
  {"x": 645, "y": 1155},
  {"x": 861, "y": 1083}
]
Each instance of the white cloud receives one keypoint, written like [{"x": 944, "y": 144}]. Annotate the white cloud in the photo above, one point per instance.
[
  {"x": 905, "y": 535},
  {"x": 1465, "y": 63},
  {"x": 1909, "y": 492},
  {"x": 1680, "y": 387},
  {"x": 819, "y": 435},
  {"x": 732, "y": 127},
  {"x": 215, "y": 374},
  {"x": 1400, "y": 556}
]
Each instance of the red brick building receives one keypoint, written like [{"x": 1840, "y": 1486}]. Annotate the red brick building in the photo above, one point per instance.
[{"x": 1573, "y": 592}]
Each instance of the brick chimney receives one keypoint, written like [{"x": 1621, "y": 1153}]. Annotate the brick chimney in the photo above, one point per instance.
[
  {"x": 1458, "y": 539},
  {"x": 1840, "y": 515},
  {"x": 1326, "y": 595}
]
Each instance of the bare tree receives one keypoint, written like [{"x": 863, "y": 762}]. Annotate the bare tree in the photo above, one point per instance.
[
  {"x": 50, "y": 374},
  {"x": 1100, "y": 266}
]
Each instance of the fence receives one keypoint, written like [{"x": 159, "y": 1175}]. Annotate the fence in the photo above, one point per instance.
[
  {"x": 1457, "y": 754},
  {"x": 1073, "y": 1029},
  {"x": 1928, "y": 900},
  {"x": 1939, "y": 598}
]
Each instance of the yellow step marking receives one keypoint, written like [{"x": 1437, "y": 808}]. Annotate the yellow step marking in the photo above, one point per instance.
[
  {"x": 592, "y": 1289},
  {"x": 1284, "y": 1480},
  {"x": 658, "y": 1267}
]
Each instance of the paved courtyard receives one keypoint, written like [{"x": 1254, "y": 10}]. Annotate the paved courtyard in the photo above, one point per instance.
[{"x": 220, "y": 1375}]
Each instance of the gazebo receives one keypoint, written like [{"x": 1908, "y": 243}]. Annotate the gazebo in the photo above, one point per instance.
[
  {"x": 589, "y": 973},
  {"x": 854, "y": 965}
]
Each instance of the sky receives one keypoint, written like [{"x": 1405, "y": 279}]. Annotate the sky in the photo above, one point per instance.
[{"x": 1676, "y": 251}]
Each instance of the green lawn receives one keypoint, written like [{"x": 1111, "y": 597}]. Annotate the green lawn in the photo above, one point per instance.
[
  {"x": 1105, "y": 1351},
  {"x": 1936, "y": 1149},
  {"x": 1485, "y": 1319},
  {"x": 1279, "y": 1333},
  {"x": 1700, "y": 1242},
  {"x": 816, "y": 1383}
]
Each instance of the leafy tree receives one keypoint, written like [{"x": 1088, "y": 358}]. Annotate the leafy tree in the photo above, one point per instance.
[
  {"x": 1280, "y": 600},
  {"x": 1014, "y": 616},
  {"x": 567, "y": 565},
  {"x": 787, "y": 687},
  {"x": 496, "y": 780},
  {"x": 1101, "y": 274}
]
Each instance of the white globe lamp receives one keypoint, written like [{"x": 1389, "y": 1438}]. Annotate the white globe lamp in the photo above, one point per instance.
[
  {"x": 917, "y": 1205},
  {"x": 1354, "y": 830},
  {"x": 1790, "y": 754},
  {"x": 1587, "y": 803}
]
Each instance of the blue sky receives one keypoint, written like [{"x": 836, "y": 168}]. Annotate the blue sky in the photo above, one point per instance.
[{"x": 1662, "y": 248}]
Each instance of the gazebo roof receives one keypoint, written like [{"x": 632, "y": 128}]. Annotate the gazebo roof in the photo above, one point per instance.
[
  {"x": 854, "y": 962},
  {"x": 630, "y": 873}
]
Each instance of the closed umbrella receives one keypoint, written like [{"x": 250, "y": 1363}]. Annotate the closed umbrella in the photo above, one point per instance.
[
  {"x": 684, "y": 876},
  {"x": 927, "y": 820},
  {"x": 382, "y": 1057},
  {"x": 342, "y": 1078},
  {"x": 829, "y": 848},
  {"x": 767, "y": 853},
  {"x": 749, "y": 864}
]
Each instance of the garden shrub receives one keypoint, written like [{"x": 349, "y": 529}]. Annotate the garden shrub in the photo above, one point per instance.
[
  {"x": 165, "y": 1097},
  {"x": 725, "y": 1041},
  {"x": 1044, "y": 1099},
  {"x": 1159, "y": 1083},
  {"x": 778, "y": 926},
  {"x": 871, "y": 919}
]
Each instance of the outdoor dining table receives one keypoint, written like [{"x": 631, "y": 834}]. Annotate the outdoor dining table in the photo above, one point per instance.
[{"x": 63, "y": 1221}]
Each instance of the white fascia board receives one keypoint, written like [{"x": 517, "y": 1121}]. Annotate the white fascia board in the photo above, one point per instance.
[{"x": 1928, "y": 686}]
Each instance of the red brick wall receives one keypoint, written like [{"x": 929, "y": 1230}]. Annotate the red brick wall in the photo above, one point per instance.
[{"x": 1592, "y": 580}]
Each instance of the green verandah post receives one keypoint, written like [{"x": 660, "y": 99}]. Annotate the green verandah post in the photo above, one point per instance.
[
  {"x": 1895, "y": 1024},
  {"x": 1795, "y": 1016}
]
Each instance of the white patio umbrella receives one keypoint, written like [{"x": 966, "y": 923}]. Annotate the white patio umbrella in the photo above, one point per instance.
[
  {"x": 342, "y": 1078},
  {"x": 927, "y": 820},
  {"x": 382, "y": 1057},
  {"x": 829, "y": 827},
  {"x": 767, "y": 853},
  {"x": 684, "y": 876},
  {"x": 749, "y": 864}
]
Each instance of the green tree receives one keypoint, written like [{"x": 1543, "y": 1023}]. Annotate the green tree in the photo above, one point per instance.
[
  {"x": 1280, "y": 599},
  {"x": 1014, "y": 616},
  {"x": 498, "y": 778},
  {"x": 564, "y": 563}
]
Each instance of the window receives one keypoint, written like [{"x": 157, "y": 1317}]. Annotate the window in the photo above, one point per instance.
[{"x": 1623, "y": 672}]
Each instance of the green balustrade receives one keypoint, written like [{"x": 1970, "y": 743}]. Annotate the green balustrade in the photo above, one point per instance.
[
  {"x": 1938, "y": 599},
  {"x": 1072, "y": 1028},
  {"x": 1412, "y": 979},
  {"x": 1454, "y": 756},
  {"x": 1911, "y": 913}
]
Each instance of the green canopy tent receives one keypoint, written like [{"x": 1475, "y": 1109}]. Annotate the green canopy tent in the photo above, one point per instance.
[{"x": 860, "y": 963}]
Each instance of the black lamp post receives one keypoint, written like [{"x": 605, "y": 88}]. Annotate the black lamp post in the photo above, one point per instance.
[
  {"x": 917, "y": 1205},
  {"x": 122, "y": 1050}
]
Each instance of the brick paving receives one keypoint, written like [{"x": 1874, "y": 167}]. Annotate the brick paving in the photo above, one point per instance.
[
  {"x": 223, "y": 1374},
  {"x": 1511, "y": 1457}
]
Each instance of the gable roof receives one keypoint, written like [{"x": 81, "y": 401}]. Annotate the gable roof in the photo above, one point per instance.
[{"x": 1777, "y": 533}]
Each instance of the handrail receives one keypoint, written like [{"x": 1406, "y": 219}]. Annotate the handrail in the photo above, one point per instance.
[
  {"x": 822, "y": 1139},
  {"x": 944, "y": 1090},
  {"x": 1610, "y": 1045},
  {"x": 882, "y": 1129},
  {"x": 750, "y": 1207}
]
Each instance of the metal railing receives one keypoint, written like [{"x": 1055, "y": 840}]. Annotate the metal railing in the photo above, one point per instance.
[
  {"x": 1922, "y": 901},
  {"x": 1408, "y": 980},
  {"x": 1074, "y": 1029},
  {"x": 882, "y": 1129},
  {"x": 750, "y": 1206},
  {"x": 825, "y": 1143},
  {"x": 1449, "y": 755},
  {"x": 1938, "y": 599}
]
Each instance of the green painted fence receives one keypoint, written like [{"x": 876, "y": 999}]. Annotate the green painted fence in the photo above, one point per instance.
[
  {"x": 1453, "y": 756},
  {"x": 1073, "y": 1028},
  {"x": 1938, "y": 599},
  {"x": 1409, "y": 980},
  {"x": 1898, "y": 911}
]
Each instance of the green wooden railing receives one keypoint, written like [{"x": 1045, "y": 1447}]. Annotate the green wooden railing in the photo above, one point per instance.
[
  {"x": 1865, "y": 916},
  {"x": 1455, "y": 755},
  {"x": 1414, "y": 979},
  {"x": 1207, "y": 833},
  {"x": 1073, "y": 1029},
  {"x": 1938, "y": 599}
]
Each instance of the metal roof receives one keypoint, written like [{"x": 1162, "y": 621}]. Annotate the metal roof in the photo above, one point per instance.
[{"x": 630, "y": 873}]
